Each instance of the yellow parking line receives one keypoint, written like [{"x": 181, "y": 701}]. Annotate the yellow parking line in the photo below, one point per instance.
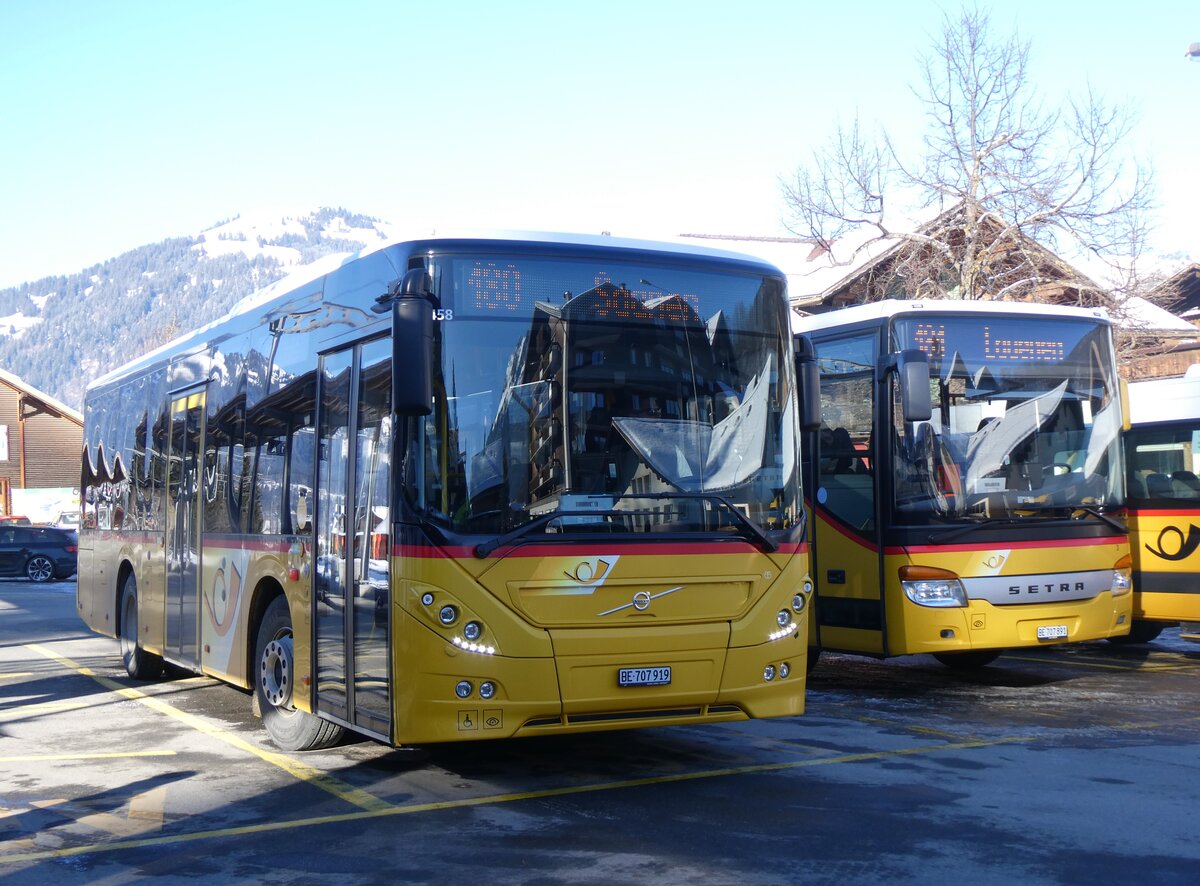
[
  {"x": 1091, "y": 664},
  {"x": 293, "y": 767},
  {"x": 501, "y": 798},
  {"x": 921, "y": 730},
  {"x": 13, "y": 676},
  {"x": 38, "y": 758}
]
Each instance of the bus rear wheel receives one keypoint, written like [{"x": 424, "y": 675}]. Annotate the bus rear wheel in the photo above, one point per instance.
[
  {"x": 274, "y": 682},
  {"x": 139, "y": 664},
  {"x": 966, "y": 661}
]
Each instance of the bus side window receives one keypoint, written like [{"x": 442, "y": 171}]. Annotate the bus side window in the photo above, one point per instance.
[{"x": 845, "y": 480}]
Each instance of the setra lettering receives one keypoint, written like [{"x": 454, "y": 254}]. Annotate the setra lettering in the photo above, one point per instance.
[{"x": 1064, "y": 587}]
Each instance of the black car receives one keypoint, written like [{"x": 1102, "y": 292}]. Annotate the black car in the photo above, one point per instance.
[{"x": 38, "y": 552}]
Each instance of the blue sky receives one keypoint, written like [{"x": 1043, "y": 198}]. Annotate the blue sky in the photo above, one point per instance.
[{"x": 123, "y": 123}]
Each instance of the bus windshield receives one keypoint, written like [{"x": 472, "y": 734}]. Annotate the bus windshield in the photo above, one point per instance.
[
  {"x": 626, "y": 396},
  {"x": 1026, "y": 419}
]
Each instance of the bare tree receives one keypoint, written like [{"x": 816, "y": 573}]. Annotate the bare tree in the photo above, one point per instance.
[{"x": 1006, "y": 184}]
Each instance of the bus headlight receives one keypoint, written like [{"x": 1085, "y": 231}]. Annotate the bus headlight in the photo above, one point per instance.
[
  {"x": 928, "y": 586},
  {"x": 1122, "y": 576}
]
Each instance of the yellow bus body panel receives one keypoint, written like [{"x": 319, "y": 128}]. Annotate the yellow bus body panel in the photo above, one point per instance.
[
  {"x": 556, "y": 644},
  {"x": 981, "y": 625},
  {"x": 1165, "y": 545}
]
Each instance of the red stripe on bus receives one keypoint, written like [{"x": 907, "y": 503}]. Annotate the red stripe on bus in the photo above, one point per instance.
[
  {"x": 591, "y": 548},
  {"x": 1174, "y": 512},
  {"x": 842, "y": 529}
]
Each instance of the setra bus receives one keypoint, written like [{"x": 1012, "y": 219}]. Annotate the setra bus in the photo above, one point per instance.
[
  {"x": 465, "y": 488},
  {"x": 1162, "y": 457},
  {"x": 966, "y": 479}
]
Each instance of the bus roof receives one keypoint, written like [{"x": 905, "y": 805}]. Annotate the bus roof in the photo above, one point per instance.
[
  {"x": 889, "y": 308},
  {"x": 1165, "y": 399},
  {"x": 278, "y": 293}
]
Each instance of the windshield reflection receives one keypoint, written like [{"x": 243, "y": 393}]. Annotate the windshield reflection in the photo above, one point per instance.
[
  {"x": 1026, "y": 420},
  {"x": 564, "y": 389}
]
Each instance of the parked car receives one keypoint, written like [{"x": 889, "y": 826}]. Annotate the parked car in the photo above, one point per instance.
[
  {"x": 67, "y": 520},
  {"x": 14, "y": 520},
  {"x": 40, "y": 553}
]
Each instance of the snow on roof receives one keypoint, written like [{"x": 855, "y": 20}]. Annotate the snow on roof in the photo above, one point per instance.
[
  {"x": 53, "y": 403},
  {"x": 812, "y": 274},
  {"x": 1145, "y": 316}
]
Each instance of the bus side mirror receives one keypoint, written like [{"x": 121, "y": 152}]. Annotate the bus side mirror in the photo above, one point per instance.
[
  {"x": 808, "y": 380},
  {"x": 912, "y": 366},
  {"x": 412, "y": 344}
]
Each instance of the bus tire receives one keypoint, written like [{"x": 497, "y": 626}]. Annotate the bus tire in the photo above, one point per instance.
[
  {"x": 139, "y": 663},
  {"x": 814, "y": 655},
  {"x": 1140, "y": 632},
  {"x": 966, "y": 661},
  {"x": 290, "y": 729}
]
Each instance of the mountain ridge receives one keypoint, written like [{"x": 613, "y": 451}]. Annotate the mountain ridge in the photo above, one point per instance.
[{"x": 60, "y": 332}]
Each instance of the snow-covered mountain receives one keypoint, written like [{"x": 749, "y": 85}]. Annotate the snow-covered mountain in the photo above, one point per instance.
[{"x": 60, "y": 332}]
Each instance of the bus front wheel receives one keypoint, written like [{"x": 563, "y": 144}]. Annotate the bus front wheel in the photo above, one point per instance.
[
  {"x": 290, "y": 729},
  {"x": 966, "y": 661},
  {"x": 139, "y": 664}
]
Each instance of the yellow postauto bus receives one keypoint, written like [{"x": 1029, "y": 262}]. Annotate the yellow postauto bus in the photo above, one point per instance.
[
  {"x": 1162, "y": 456},
  {"x": 458, "y": 489},
  {"x": 966, "y": 480}
]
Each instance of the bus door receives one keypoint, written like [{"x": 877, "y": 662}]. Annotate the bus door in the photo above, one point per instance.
[
  {"x": 842, "y": 481},
  {"x": 183, "y": 531},
  {"x": 353, "y": 536}
]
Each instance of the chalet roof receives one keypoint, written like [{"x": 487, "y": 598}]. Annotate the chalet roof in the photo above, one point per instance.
[
  {"x": 30, "y": 392},
  {"x": 814, "y": 274},
  {"x": 1183, "y": 289}
]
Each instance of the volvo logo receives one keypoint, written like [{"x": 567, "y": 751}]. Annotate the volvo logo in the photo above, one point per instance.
[{"x": 641, "y": 600}]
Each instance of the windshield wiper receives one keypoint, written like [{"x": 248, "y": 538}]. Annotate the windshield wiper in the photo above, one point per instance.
[
  {"x": 748, "y": 528},
  {"x": 959, "y": 531},
  {"x": 1100, "y": 515},
  {"x": 484, "y": 548},
  {"x": 751, "y": 530}
]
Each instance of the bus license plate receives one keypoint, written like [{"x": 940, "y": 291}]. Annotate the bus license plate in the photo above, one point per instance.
[
  {"x": 1052, "y": 632},
  {"x": 644, "y": 676}
]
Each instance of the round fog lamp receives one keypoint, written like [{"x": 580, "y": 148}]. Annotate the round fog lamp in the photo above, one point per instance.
[
  {"x": 784, "y": 670},
  {"x": 448, "y": 615},
  {"x": 487, "y": 689},
  {"x": 472, "y": 630},
  {"x": 769, "y": 673},
  {"x": 798, "y": 603},
  {"x": 427, "y": 599},
  {"x": 784, "y": 618},
  {"x": 463, "y": 688}
]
